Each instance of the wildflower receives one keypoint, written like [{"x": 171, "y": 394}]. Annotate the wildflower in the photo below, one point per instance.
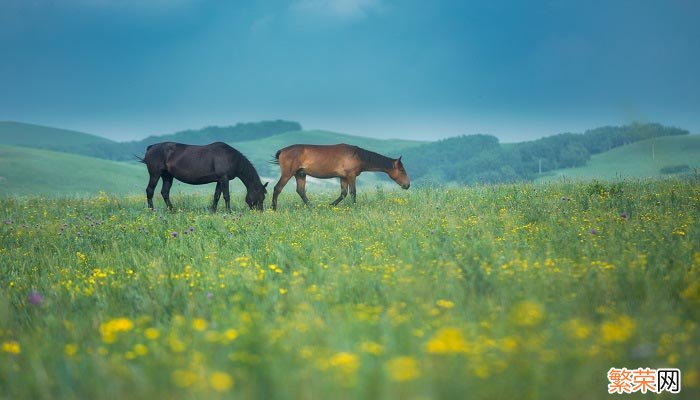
[
  {"x": 173, "y": 234},
  {"x": 140, "y": 349},
  {"x": 109, "y": 329},
  {"x": 446, "y": 304},
  {"x": 528, "y": 313},
  {"x": 577, "y": 330},
  {"x": 191, "y": 228},
  {"x": 624, "y": 215},
  {"x": 373, "y": 348},
  {"x": 35, "y": 298},
  {"x": 402, "y": 369},
  {"x": 210, "y": 295},
  {"x": 594, "y": 231},
  {"x": 199, "y": 324},
  {"x": 151, "y": 333},
  {"x": 447, "y": 341},
  {"x": 220, "y": 381},
  {"x": 231, "y": 334},
  {"x": 347, "y": 363},
  {"x": 11, "y": 347},
  {"x": 617, "y": 330},
  {"x": 70, "y": 349}
]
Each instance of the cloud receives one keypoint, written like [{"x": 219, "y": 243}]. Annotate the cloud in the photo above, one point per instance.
[{"x": 340, "y": 9}]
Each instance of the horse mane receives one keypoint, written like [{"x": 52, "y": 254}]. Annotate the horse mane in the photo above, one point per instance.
[
  {"x": 246, "y": 171},
  {"x": 373, "y": 160}
]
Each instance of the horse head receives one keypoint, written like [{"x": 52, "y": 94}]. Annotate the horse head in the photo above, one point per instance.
[
  {"x": 256, "y": 196},
  {"x": 399, "y": 175}
]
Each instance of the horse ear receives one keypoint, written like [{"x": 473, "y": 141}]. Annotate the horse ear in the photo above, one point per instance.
[
  {"x": 399, "y": 159},
  {"x": 265, "y": 185}
]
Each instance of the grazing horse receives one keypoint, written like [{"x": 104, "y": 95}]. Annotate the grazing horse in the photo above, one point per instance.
[
  {"x": 333, "y": 161},
  {"x": 197, "y": 165}
]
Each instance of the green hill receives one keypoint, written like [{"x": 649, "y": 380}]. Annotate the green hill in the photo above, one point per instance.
[
  {"x": 25, "y": 171},
  {"x": 637, "y": 160},
  {"x": 29, "y": 135}
]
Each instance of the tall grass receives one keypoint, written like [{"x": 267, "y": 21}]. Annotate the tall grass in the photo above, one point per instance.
[{"x": 513, "y": 291}]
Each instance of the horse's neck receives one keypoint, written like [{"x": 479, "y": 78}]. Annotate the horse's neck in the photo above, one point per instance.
[
  {"x": 378, "y": 163},
  {"x": 249, "y": 176}
]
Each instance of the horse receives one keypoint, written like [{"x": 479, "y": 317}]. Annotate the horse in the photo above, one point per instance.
[
  {"x": 342, "y": 161},
  {"x": 197, "y": 165}
]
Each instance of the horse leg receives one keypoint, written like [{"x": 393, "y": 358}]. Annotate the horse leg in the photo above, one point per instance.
[
  {"x": 227, "y": 195},
  {"x": 278, "y": 189},
  {"x": 343, "y": 191},
  {"x": 353, "y": 189},
  {"x": 301, "y": 186},
  {"x": 217, "y": 195},
  {"x": 165, "y": 190},
  {"x": 151, "y": 188}
]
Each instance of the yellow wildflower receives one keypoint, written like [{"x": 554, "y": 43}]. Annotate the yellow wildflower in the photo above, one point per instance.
[
  {"x": 11, "y": 347},
  {"x": 109, "y": 329},
  {"x": 221, "y": 381},
  {"x": 70, "y": 349},
  {"x": 371, "y": 348},
  {"x": 402, "y": 369},
  {"x": 617, "y": 330},
  {"x": 576, "y": 329},
  {"x": 151, "y": 333},
  {"x": 447, "y": 341},
  {"x": 446, "y": 304},
  {"x": 528, "y": 313},
  {"x": 347, "y": 363},
  {"x": 199, "y": 324}
]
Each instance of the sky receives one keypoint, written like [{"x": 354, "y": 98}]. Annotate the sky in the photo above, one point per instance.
[{"x": 415, "y": 69}]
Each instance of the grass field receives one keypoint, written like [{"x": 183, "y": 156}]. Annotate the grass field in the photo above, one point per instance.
[
  {"x": 637, "y": 160},
  {"x": 514, "y": 291}
]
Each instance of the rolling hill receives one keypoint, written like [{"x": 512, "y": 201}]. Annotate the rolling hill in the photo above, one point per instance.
[
  {"x": 45, "y": 137},
  {"x": 637, "y": 160}
]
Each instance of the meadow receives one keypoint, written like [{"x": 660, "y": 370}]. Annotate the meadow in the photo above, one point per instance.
[{"x": 507, "y": 291}]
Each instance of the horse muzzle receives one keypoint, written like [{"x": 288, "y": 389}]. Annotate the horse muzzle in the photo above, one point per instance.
[{"x": 406, "y": 186}]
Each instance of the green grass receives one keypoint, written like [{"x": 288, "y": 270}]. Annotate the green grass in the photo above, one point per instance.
[
  {"x": 25, "y": 171},
  {"x": 511, "y": 291},
  {"x": 637, "y": 160},
  {"x": 22, "y": 134}
]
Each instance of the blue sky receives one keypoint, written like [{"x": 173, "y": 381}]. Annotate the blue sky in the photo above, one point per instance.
[{"x": 412, "y": 69}]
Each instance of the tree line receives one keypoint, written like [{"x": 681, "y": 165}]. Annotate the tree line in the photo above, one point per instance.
[{"x": 473, "y": 159}]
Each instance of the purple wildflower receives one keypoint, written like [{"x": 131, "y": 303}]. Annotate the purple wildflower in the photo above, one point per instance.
[
  {"x": 35, "y": 298},
  {"x": 7, "y": 222},
  {"x": 210, "y": 295},
  {"x": 173, "y": 234},
  {"x": 594, "y": 231},
  {"x": 191, "y": 228},
  {"x": 624, "y": 215}
]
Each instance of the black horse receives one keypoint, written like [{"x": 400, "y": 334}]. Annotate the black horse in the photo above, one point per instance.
[{"x": 197, "y": 165}]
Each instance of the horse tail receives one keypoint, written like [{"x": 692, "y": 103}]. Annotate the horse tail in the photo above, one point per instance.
[
  {"x": 276, "y": 161},
  {"x": 140, "y": 159}
]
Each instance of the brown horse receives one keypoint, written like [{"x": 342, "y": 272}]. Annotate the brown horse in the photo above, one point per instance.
[
  {"x": 333, "y": 161},
  {"x": 197, "y": 165}
]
